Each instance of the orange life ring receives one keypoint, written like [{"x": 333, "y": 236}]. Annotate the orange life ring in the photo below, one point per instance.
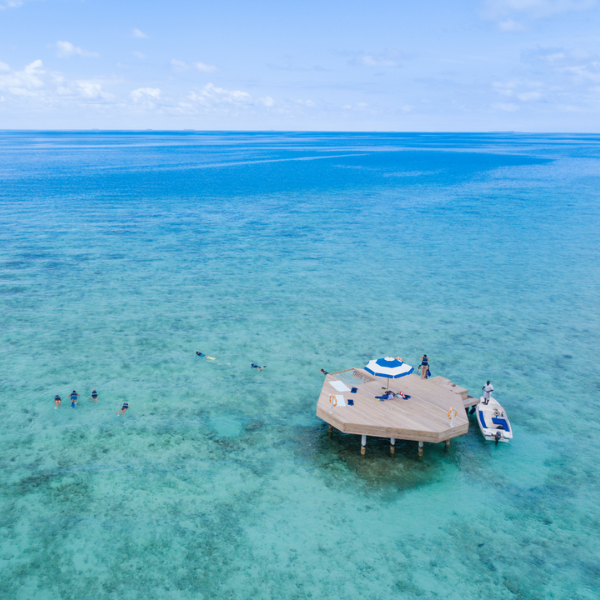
[
  {"x": 334, "y": 401},
  {"x": 450, "y": 413},
  {"x": 398, "y": 358}
]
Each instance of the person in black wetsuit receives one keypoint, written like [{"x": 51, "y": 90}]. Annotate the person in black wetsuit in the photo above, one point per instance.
[
  {"x": 424, "y": 366},
  {"x": 123, "y": 409}
]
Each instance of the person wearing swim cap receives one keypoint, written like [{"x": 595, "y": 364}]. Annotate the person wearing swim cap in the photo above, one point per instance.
[
  {"x": 123, "y": 409},
  {"x": 74, "y": 396},
  {"x": 94, "y": 396},
  {"x": 57, "y": 401}
]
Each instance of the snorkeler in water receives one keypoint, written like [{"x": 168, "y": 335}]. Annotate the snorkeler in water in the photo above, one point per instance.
[
  {"x": 257, "y": 367},
  {"x": 74, "y": 396},
  {"x": 123, "y": 409},
  {"x": 57, "y": 401},
  {"x": 324, "y": 372},
  {"x": 204, "y": 355},
  {"x": 94, "y": 396}
]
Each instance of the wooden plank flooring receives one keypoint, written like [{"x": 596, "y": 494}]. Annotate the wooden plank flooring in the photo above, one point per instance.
[{"x": 424, "y": 417}]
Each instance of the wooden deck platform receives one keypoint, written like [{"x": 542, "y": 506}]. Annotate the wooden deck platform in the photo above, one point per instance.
[{"x": 422, "y": 418}]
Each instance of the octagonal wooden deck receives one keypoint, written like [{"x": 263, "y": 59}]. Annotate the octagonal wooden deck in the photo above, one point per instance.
[{"x": 422, "y": 418}]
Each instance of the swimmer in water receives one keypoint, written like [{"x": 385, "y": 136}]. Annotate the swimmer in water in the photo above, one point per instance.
[
  {"x": 57, "y": 401},
  {"x": 257, "y": 367},
  {"x": 204, "y": 356},
  {"x": 324, "y": 372},
  {"x": 94, "y": 396},
  {"x": 123, "y": 409},
  {"x": 74, "y": 396}
]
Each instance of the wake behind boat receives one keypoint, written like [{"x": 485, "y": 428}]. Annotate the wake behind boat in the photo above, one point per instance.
[{"x": 493, "y": 422}]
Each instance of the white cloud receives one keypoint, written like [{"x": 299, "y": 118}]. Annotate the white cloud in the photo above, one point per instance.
[
  {"x": 308, "y": 103},
  {"x": 179, "y": 65},
  {"x": 573, "y": 66},
  {"x": 144, "y": 93},
  {"x": 67, "y": 49},
  {"x": 34, "y": 83},
  {"x": 39, "y": 88},
  {"x": 205, "y": 68},
  {"x": 139, "y": 55},
  {"x": 10, "y": 4},
  {"x": 147, "y": 97},
  {"x": 525, "y": 91},
  {"x": 359, "y": 106},
  {"x": 138, "y": 34},
  {"x": 511, "y": 26},
  {"x": 27, "y": 82},
  {"x": 214, "y": 98},
  {"x": 210, "y": 95}
]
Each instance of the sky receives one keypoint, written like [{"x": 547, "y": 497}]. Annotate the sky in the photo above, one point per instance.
[{"x": 314, "y": 65}]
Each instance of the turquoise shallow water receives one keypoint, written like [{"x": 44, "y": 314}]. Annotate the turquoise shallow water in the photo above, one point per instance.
[{"x": 123, "y": 254}]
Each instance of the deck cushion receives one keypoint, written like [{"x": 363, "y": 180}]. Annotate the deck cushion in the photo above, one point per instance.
[
  {"x": 503, "y": 422},
  {"x": 481, "y": 419}
]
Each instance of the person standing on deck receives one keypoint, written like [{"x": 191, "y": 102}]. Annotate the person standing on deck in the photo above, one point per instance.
[
  {"x": 424, "y": 366},
  {"x": 488, "y": 388}
]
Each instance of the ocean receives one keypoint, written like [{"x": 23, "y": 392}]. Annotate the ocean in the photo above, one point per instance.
[{"x": 124, "y": 253}]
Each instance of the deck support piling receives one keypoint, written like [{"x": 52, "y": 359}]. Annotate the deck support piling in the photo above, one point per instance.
[
  {"x": 420, "y": 449},
  {"x": 363, "y": 444},
  {"x": 392, "y": 445},
  {"x": 330, "y": 429},
  {"x": 447, "y": 445}
]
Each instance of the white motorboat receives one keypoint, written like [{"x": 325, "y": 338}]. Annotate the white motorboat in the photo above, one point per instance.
[{"x": 493, "y": 422}]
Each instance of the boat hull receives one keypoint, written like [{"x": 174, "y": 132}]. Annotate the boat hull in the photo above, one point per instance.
[{"x": 493, "y": 422}]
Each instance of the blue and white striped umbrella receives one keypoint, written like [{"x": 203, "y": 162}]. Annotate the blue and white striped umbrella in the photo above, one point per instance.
[{"x": 389, "y": 367}]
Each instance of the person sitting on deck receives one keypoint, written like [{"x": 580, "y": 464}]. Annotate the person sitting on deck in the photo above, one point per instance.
[{"x": 397, "y": 394}]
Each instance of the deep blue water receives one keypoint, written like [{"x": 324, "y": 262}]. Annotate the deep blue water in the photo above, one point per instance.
[{"x": 124, "y": 253}]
